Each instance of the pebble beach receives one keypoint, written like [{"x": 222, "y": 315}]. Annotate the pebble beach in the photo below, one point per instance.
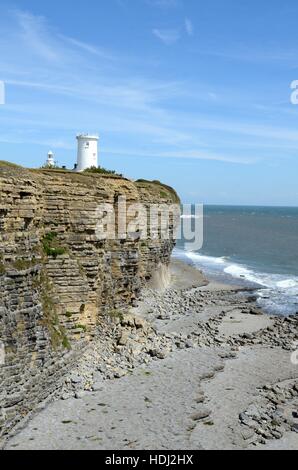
[{"x": 194, "y": 365}]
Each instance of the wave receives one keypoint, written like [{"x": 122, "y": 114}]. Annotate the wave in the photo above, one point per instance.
[
  {"x": 191, "y": 216},
  {"x": 204, "y": 259},
  {"x": 288, "y": 283},
  {"x": 278, "y": 293}
]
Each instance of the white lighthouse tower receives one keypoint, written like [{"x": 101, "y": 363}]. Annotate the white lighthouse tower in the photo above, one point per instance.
[
  {"x": 50, "y": 160},
  {"x": 87, "y": 151}
]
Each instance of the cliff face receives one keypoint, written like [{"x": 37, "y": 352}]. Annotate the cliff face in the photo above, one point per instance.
[{"x": 59, "y": 282}]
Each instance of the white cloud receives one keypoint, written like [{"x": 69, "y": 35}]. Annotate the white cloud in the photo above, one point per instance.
[
  {"x": 62, "y": 88},
  {"x": 187, "y": 154},
  {"x": 33, "y": 32},
  {"x": 91, "y": 49},
  {"x": 248, "y": 129},
  {"x": 189, "y": 27},
  {"x": 167, "y": 36}
]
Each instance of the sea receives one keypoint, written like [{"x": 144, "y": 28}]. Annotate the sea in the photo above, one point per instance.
[{"x": 254, "y": 247}]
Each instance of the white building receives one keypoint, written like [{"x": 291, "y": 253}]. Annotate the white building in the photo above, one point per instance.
[
  {"x": 50, "y": 160},
  {"x": 87, "y": 151}
]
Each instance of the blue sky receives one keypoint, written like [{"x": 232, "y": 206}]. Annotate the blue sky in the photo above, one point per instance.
[{"x": 194, "y": 93}]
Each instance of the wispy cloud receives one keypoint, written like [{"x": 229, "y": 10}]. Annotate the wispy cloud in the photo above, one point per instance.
[
  {"x": 189, "y": 27},
  {"x": 247, "y": 128},
  {"x": 61, "y": 85},
  {"x": 167, "y": 36},
  {"x": 91, "y": 49},
  {"x": 198, "y": 154},
  {"x": 32, "y": 33}
]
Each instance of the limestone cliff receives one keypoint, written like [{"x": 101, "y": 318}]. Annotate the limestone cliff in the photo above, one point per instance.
[{"x": 59, "y": 283}]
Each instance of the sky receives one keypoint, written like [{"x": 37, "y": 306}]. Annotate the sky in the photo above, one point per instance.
[{"x": 194, "y": 93}]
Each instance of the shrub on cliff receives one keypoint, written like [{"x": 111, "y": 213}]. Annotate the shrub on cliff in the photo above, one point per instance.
[
  {"x": 51, "y": 246},
  {"x": 101, "y": 170}
]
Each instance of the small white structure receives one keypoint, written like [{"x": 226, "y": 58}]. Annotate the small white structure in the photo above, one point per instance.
[
  {"x": 50, "y": 159},
  {"x": 87, "y": 151}
]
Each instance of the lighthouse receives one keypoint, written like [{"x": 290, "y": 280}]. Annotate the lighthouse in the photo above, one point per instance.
[
  {"x": 50, "y": 160},
  {"x": 87, "y": 151}
]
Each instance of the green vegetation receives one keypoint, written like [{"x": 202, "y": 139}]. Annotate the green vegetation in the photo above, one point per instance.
[
  {"x": 54, "y": 169},
  {"x": 50, "y": 317},
  {"x": 51, "y": 167},
  {"x": 164, "y": 191},
  {"x": 100, "y": 170},
  {"x": 9, "y": 164},
  {"x": 22, "y": 264},
  {"x": 66, "y": 343},
  {"x": 51, "y": 246},
  {"x": 68, "y": 314},
  {"x": 81, "y": 327},
  {"x": 116, "y": 314}
]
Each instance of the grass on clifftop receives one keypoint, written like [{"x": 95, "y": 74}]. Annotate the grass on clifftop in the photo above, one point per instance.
[
  {"x": 162, "y": 190},
  {"x": 102, "y": 171},
  {"x": 93, "y": 169},
  {"x": 13, "y": 165},
  {"x": 79, "y": 175}
]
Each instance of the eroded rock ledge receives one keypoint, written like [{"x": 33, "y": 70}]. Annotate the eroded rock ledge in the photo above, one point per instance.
[{"x": 60, "y": 284}]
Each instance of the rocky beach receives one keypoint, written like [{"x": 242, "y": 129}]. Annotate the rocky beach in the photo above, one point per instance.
[
  {"x": 148, "y": 228},
  {"x": 194, "y": 365}
]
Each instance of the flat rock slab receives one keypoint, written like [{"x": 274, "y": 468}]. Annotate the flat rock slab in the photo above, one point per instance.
[
  {"x": 288, "y": 442},
  {"x": 232, "y": 391},
  {"x": 150, "y": 409},
  {"x": 237, "y": 323},
  {"x": 185, "y": 276}
]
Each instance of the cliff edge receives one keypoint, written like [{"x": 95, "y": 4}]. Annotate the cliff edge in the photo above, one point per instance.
[{"x": 59, "y": 282}]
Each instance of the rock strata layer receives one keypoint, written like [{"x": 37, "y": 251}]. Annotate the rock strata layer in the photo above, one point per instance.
[{"x": 61, "y": 286}]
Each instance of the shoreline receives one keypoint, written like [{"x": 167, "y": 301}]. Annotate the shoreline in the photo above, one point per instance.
[
  {"x": 276, "y": 291},
  {"x": 193, "y": 366},
  {"x": 194, "y": 277}
]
